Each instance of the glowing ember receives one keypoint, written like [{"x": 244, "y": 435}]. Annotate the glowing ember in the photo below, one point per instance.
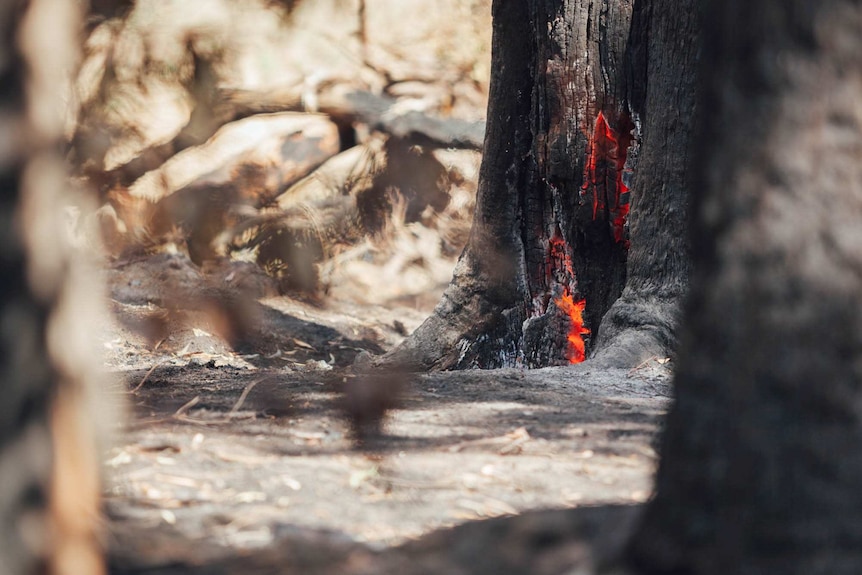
[
  {"x": 604, "y": 173},
  {"x": 560, "y": 271},
  {"x": 559, "y": 259},
  {"x": 576, "y": 353}
]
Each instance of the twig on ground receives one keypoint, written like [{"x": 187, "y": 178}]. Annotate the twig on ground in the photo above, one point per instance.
[
  {"x": 245, "y": 393},
  {"x": 187, "y": 406},
  {"x": 147, "y": 375},
  {"x": 642, "y": 364}
]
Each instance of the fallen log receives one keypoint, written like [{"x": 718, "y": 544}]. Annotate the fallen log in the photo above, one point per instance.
[
  {"x": 267, "y": 152},
  {"x": 308, "y": 220},
  {"x": 352, "y": 196},
  {"x": 345, "y": 103},
  {"x": 247, "y": 163}
]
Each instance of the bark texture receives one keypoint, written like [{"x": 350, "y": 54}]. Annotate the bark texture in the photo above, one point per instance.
[
  {"x": 761, "y": 464},
  {"x": 49, "y": 490},
  {"x": 549, "y": 228},
  {"x": 662, "y": 92}
]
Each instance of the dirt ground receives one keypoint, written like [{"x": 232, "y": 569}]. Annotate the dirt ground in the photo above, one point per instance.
[{"x": 230, "y": 459}]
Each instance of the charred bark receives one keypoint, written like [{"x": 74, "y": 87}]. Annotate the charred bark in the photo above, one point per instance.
[
  {"x": 760, "y": 467},
  {"x": 546, "y": 256},
  {"x": 661, "y": 86}
]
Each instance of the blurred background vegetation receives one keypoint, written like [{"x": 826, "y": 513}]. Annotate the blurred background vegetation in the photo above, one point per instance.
[{"x": 323, "y": 151}]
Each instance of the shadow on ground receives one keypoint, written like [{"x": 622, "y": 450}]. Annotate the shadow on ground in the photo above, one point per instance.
[{"x": 229, "y": 470}]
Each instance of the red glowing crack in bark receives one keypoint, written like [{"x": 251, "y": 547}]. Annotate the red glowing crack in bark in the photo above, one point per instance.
[
  {"x": 604, "y": 169},
  {"x": 560, "y": 261},
  {"x": 606, "y": 162}
]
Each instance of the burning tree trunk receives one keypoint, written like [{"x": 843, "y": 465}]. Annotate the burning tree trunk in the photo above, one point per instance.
[
  {"x": 661, "y": 91},
  {"x": 761, "y": 462},
  {"x": 547, "y": 253}
]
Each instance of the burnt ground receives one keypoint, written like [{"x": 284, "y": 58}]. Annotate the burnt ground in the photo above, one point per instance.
[{"x": 243, "y": 461}]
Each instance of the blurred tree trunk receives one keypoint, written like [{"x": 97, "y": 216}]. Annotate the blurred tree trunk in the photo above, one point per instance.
[
  {"x": 49, "y": 489},
  {"x": 549, "y": 249},
  {"x": 25, "y": 441},
  {"x": 762, "y": 458}
]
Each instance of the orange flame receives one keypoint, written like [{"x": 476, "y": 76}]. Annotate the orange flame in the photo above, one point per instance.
[
  {"x": 560, "y": 270},
  {"x": 576, "y": 352}
]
